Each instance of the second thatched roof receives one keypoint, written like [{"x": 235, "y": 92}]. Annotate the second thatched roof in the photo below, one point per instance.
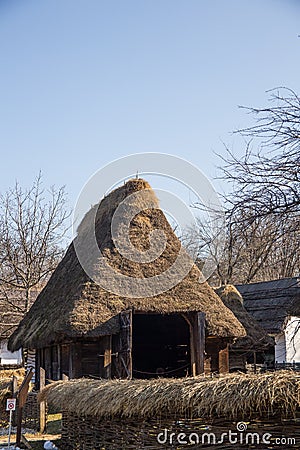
[
  {"x": 257, "y": 338},
  {"x": 72, "y": 305}
]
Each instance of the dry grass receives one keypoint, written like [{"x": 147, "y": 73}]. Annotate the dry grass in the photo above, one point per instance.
[
  {"x": 232, "y": 396},
  {"x": 8, "y": 373},
  {"x": 6, "y": 383}
]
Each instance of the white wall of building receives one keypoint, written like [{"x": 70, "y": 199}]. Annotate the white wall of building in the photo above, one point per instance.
[
  {"x": 280, "y": 348},
  {"x": 292, "y": 339},
  {"x": 7, "y": 357}
]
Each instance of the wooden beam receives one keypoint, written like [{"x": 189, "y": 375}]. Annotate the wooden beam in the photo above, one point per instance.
[
  {"x": 22, "y": 396},
  {"x": 107, "y": 357},
  {"x": 224, "y": 360},
  {"x": 200, "y": 342},
  {"x": 59, "y": 362},
  {"x": 190, "y": 321},
  {"x": 42, "y": 404},
  {"x": 25, "y": 442},
  {"x": 75, "y": 369}
]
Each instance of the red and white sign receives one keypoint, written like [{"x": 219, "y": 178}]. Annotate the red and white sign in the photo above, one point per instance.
[{"x": 10, "y": 404}]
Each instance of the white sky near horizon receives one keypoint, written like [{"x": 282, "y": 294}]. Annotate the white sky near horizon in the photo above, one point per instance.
[{"x": 85, "y": 82}]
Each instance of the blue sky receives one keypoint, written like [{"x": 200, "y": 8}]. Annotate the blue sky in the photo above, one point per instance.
[{"x": 83, "y": 82}]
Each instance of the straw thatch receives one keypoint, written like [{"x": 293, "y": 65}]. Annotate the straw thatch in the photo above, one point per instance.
[
  {"x": 71, "y": 305},
  {"x": 257, "y": 338},
  {"x": 232, "y": 396}
]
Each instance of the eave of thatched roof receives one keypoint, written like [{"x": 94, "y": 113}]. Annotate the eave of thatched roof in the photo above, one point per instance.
[
  {"x": 71, "y": 305},
  {"x": 271, "y": 302},
  {"x": 257, "y": 338},
  {"x": 231, "y": 396}
]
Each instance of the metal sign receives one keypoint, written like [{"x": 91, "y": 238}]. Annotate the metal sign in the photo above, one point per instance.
[{"x": 11, "y": 404}]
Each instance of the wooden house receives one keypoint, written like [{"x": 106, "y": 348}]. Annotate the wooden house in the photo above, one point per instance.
[
  {"x": 257, "y": 347},
  {"x": 80, "y": 329},
  {"x": 276, "y": 307}
]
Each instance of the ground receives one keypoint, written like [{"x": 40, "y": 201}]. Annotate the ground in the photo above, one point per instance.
[{"x": 37, "y": 440}]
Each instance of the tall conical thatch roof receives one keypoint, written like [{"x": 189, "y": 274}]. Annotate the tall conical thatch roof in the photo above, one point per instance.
[
  {"x": 72, "y": 305},
  {"x": 257, "y": 338}
]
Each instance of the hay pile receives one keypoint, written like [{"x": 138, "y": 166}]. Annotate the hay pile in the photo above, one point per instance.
[
  {"x": 8, "y": 373},
  {"x": 6, "y": 383},
  {"x": 232, "y": 396}
]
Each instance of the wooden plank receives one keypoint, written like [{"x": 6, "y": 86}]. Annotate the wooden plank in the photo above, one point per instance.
[
  {"x": 65, "y": 359},
  {"x": 25, "y": 442},
  {"x": 14, "y": 386},
  {"x": 224, "y": 360},
  {"x": 201, "y": 341},
  {"x": 54, "y": 363},
  {"x": 75, "y": 368},
  {"x": 190, "y": 322},
  {"x": 22, "y": 396},
  {"x": 23, "y": 390},
  {"x": 48, "y": 362},
  {"x": 58, "y": 362},
  {"x": 130, "y": 345},
  {"x": 107, "y": 357},
  {"x": 14, "y": 395},
  {"x": 123, "y": 362},
  {"x": 42, "y": 404}
]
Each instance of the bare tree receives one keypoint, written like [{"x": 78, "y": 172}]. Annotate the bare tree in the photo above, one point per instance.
[
  {"x": 33, "y": 224},
  {"x": 266, "y": 181},
  {"x": 256, "y": 249}
]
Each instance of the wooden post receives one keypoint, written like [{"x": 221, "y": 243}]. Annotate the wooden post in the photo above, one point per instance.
[
  {"x": 22, "y": 397},
  {"x": 43, "y": 403},
  {"x": 224, "y": 360},
  {"x": 58, "y": 362},
  {"x": 75, "y": 369},
  {"x": 124, "y": 361},
  {"x": 189, "y": 321},
  {"x": 14, "y": 395},
  {"x": 200, "y": 342},
  {"x": 107, "y": 357},
  {"x": 196, "y": 322}
]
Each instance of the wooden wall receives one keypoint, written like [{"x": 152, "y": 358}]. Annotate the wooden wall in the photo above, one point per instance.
[
  {"x": 110, "y": 356},
  {"x": 81, "y": 358},
  {"x": 216, "y": 355}
]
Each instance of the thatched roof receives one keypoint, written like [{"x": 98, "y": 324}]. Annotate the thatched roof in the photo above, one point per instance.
[
  {"x": 257, "y": 338},
  {"x": 272, "y": 302},
  {"x": 72, "y": 305},
  {"x": 232, "y": 396}
]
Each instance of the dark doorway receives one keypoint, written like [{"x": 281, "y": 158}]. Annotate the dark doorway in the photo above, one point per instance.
[{"x": 160, "y": 346}]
